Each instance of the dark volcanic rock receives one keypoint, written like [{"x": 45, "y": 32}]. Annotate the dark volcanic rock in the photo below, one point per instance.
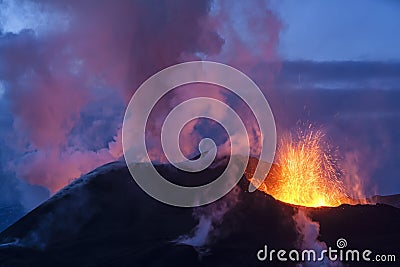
[{"x": 105, "y": 219}]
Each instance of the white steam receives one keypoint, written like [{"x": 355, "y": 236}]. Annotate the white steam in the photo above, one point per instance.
[
  {"x": 308, "y": 239},
  {"x": 209, "y": 219}
]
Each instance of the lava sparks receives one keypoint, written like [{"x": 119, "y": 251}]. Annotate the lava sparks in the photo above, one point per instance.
[{"x": 306, "y": 172}]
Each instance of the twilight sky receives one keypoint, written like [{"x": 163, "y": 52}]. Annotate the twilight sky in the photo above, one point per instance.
[
  {"x": 339, "y": 30},
  {"x": 68, "y": 69},
  {"x": 312, "y": 29}
]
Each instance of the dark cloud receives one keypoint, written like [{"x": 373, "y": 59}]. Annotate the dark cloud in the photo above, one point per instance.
[{"x": 340, "y": 75}]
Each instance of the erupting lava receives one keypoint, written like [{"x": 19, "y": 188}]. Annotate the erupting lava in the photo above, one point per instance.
[{"x": 306, "y": 172}]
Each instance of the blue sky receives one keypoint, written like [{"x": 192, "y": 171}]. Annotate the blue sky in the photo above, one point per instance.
[{"x": 339, "y": 30}]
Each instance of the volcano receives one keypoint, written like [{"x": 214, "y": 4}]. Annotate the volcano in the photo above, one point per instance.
[{"x": 105, "y": 219}]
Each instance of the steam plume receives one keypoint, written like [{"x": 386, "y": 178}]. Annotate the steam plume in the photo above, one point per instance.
[{"x": 308, "y": 239}]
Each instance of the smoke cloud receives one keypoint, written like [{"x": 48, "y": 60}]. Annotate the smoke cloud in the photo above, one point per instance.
[
  {"x": 66, "y": 87},
  {"x": 68, "y": 69}
]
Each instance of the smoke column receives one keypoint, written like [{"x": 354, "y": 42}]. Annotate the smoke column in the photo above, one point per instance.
[
  {"x": 66, "y": 87},
  {"x": 69, "y": 68}
]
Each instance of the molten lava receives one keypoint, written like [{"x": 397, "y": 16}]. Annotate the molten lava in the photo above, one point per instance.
[{"x": 306, "y": 172}]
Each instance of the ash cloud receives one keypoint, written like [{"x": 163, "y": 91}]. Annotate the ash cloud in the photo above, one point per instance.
[
  {"x": 67, "y": 77},
  {"x": 69, "y": 68}
]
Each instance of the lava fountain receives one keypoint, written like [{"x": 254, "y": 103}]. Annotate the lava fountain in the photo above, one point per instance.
[{"x": 306, "y": 172}]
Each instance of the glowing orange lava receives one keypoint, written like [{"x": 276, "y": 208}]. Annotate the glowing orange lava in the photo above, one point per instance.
[{"x": 306, "y": 172}]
